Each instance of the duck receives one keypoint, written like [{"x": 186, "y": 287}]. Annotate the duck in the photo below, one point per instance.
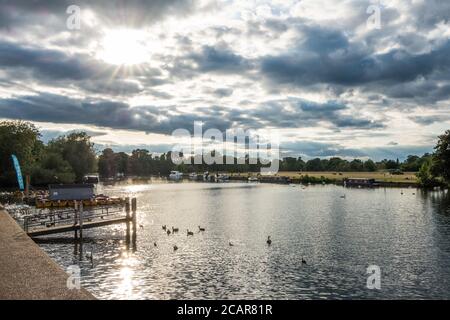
[
  {"x": 303, "y": 261},
  {"x": 201, "y": 229},
  {"x": 189, "y": 233},
  {"x": 168, "y": 232},
  {"x": 164, "y": 227},
  {"x": 175, "y": 229},
  {"x": 230, "y": 244},
  {"x": 343, "y": 196},
  {"x": 141, "y": 226},
  {"x": 175, "y": 248},
  {"x": 90, "y": 256},
  {"x": 154, "y": 244},
  {"x": 269, "y": 241}
]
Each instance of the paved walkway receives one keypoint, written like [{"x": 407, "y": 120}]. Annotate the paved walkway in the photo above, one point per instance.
[{"x": 26, "y": 272}]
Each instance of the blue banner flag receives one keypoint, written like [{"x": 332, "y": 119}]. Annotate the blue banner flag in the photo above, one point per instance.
[{"x": 18, "y": 171}]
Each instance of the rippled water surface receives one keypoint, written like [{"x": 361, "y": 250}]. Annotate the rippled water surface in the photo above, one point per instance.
[{"x": 407, "y": 236}]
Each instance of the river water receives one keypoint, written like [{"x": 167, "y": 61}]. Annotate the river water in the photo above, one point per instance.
[{"x": 405, "y": 232}]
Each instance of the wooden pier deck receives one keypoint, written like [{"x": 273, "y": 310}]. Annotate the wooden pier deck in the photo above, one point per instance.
[
  {"x": 86, "y": 225},
  {"x": 74, "y": 220}
]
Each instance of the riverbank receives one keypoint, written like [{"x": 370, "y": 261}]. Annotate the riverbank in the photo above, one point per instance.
[
  {"x": 26, "y": 272},
  {"x": 384, "y": 179}
]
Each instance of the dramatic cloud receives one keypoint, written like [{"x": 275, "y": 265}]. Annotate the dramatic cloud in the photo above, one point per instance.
[{"x": 331, "y": 83}]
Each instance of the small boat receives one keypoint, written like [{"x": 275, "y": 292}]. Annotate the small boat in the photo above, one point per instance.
[
  {"x": 175, "y": 175},
  {"x": 193, "y": 176},
  {"x": 91, "y": 178},
  {"x": 223, "y": 177},
  {"x": 205, "y": 176},
  {"x": 253, "y": 179}
]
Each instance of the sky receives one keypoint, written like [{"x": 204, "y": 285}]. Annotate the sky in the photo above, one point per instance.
[{"x": 351, "y": 78}]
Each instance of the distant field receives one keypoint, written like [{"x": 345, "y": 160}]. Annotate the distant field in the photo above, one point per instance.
[{"x": 381, "y": 176}]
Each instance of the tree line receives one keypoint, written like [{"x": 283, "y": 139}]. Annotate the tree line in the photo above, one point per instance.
[{"x": 67, "y": 158}]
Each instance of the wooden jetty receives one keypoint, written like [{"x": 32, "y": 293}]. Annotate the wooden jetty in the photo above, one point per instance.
[
  {"x": 76, "y": 220},
  {"x": 68, "y": 228}
]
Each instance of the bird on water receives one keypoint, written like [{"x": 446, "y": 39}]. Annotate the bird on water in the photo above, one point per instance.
[
  {"x": 189, "y": 233},
  {"x": 269, "y": 241},
  {"x": 201, "y": 229}
]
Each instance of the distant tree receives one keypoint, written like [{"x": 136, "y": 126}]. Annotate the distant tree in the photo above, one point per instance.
[
  {"x": 356, "y": 165},
  {"x": 52, "y": 168},
  {"x": 370, "y": 166},
  {"x": 412, "y": 163},
  {"x": 441, "y": 157},
  {"x": 314, "y": 165},
  {"x": 391, "y": 164},
  {"x": 107, "y": 163},
  {"x": 78, "y": 150},
  {"x": 292, "y": 164}
]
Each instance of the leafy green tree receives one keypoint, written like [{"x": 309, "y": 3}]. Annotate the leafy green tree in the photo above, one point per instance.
[
  {"x": 107, "y": 163},
  {"x": 441, "y": 157},
  {"x": 314, "y": 165},
  {"x": 356, "y": 165},
  {"x": 425, "y": 174},
  {"x": 22, "y": 139},
  {"x": 77, "y": 149},
  {"x": 52, "y": 168},
  {"x": 370, "y": 166}
]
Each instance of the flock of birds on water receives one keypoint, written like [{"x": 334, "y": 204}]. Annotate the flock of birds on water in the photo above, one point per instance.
[{"x": 200, "y": 229}]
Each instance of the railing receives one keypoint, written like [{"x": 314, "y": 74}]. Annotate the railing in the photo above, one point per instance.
[{"x": 67, "y": 216}]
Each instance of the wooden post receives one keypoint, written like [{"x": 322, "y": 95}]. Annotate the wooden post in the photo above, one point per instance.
[
  {"x": 81, "y": 220},
  {"x": 27, "y": 186},
  {"x": 25, "y": 224},
  {"x": 75, "y": 218},
  {"x": 127, "y": 210},
  {"x": 133, "y": 209}
]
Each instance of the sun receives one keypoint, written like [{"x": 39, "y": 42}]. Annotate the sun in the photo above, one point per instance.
[{"x": 123, "y": 47}]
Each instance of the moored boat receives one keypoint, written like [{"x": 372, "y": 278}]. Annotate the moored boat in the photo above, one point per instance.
[{"x": 175, "y": 175}]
